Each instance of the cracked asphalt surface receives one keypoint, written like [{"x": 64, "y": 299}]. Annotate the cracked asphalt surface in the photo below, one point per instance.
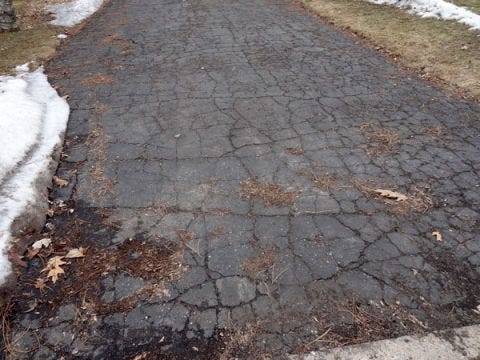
[{"x": 234, "y": 147}]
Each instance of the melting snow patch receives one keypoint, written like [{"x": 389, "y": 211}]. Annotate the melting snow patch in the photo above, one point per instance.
[
  {"x": 72, "y": 13},
  {"x": 436, "y": 8},
  {"x": 22, "y": 68},
  {"x": 32, "y": 120}
]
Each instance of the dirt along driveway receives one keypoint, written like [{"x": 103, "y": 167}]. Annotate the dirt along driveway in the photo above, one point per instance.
[{"x": 244, "y": 180}]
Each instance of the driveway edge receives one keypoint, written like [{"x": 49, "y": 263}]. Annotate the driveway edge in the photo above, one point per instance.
[{"x": 450, "y": 344}]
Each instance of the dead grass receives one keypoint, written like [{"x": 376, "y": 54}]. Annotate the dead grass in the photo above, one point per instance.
[
  {"x": 260, "y": 263},
  {"x": 157, "y": 261},
  {"x": 115, "y": 39},
  {"x": 185, "y": 235},
  {"x": 326, "y": 181},
  {"x": 218, "y": 212},
  {"x": 98, "y": 79},
  {"x": 109, "y": 39},
  {"x": 96, "y": 137},
  {"x": 380, "y": 140},
  {"x": 436, "y": 132},
  {"x": 32, "y": 13},
  {"x": 269, "y": 194},
  {"x": 218, "y": 231},
  {"x": 16, "y": 48},
  {"x": 472, "y": 5},
  {"x": 417, "y": 201},
  {"x": 363, "y": 327},
  {"x": 100, "y": 108},
  {"x": 97, "y": 143},
  {"x": 297, "y": 151},
  {"x": 160, "y": 261},
  {"x": 35, "y": 41},
  {"x": 435, "y": 49},
  {"x": 353, "y": 322},
  {"x": 5, "y": 314},
  {"x": 162, "y": 209},
  {"x": 241, "y": 341}
]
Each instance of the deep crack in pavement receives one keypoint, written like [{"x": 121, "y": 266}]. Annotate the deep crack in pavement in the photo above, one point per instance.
[{"x": 222, "y": 159}]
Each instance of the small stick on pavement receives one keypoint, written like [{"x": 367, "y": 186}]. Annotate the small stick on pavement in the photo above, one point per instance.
[{"x": 319, "y": 337}]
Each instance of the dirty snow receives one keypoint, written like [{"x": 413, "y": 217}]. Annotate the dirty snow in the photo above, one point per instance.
[
  {"x": 32, "y": 120},
  {"x": 438, "y": 9},
  {"x": 73, "y": 12},
  {"x": 22, "y": 68}
]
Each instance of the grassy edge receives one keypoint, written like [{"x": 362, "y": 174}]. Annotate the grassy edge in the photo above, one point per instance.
[
  {"x": 453, "y": 65},
  {"x": 472, "y": 5},
  {"x": 36, "y": 42}
]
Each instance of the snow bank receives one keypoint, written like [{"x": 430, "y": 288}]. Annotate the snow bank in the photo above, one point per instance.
[
  {"x": 72, "y": 13},
  {"x": 32, "y": 120},
  {"x": 436, "y": 8}
]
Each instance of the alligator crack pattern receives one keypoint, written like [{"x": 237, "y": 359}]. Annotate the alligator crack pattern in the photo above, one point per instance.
[{"x": 195, "y": 98}]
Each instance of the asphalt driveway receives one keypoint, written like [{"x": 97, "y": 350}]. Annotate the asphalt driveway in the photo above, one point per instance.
[{"x": 247, "y": 180}]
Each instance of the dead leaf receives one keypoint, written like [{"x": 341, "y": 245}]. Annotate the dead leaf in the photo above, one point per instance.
[
  {"x": 141, "y": 356},
  {"x": 50, "y": 212},
  {"x": 392, "y": 195},
  {"x": 50, "y": 226},
  {"x": 477, "y": 310},
  {"x": 59, "y": 181},
  {"x": 75, "y": 253},
  {"x": 31, "y": 253},
  {"x": 54, "y": 268},
  {"x": 45, "y": 242},
  {"x": 16, "y": 258},
  {"x": 32, "y": 306},
  {"x": 437, "y": 235},
  {"x": 41, "y": 284},
  {"x": 66, "y": 97}
]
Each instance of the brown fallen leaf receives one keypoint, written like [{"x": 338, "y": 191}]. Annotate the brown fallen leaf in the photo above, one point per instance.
[
  {"x": 41, "y": 284},
  {"x": 75, "y": 253},
  {"x": 437, "y": 235},
  {"x": 392, "y": 195},
  {"x": 141, "y": 356},
  {"x": 32, "y": 306},
  {"x": 31, "y": 253},
  {"x": 15, "y": 258},
  {"x": 54, "y": 268},
  {"x": 59, "y": 181}
]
